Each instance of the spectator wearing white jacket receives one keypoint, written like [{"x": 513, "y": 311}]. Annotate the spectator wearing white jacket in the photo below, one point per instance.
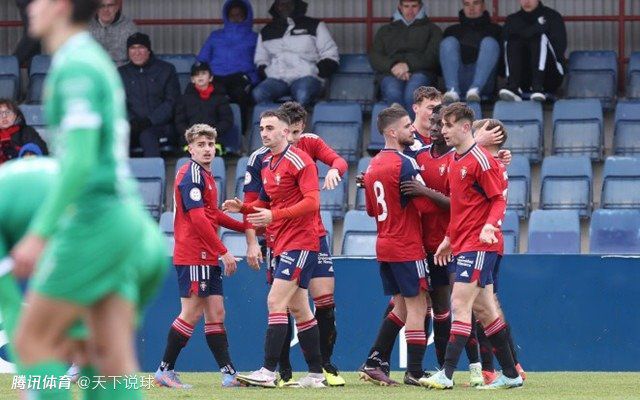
[{"x": 294, "y": 54}]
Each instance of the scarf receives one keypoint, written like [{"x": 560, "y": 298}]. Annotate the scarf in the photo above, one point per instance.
[{"x": 206, "y": 93}]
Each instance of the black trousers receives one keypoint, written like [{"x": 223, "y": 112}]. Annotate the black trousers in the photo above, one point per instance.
[
  {"x": 238, "y": 88},
  {"x": 524, "y": 59}
]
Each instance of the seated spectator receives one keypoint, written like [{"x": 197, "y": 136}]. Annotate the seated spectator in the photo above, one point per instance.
[
  {"x": 15, "y": 133},
  {"x": 112, "y": 28},
  {"x": 405, "y": 53},
  {"x": 469, "y": 53},
  {"x": 229, "y": 52},
  {"x": 152, "y": 89},
  {"x": 30, "y": 150},
  {"x": 295, "y": 54},
  {"x": 202, "y": 103},
  {"x": 535, "y": 39}
]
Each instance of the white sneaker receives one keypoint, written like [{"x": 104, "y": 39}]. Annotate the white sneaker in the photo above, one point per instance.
[
  {"x": 262, "y": 377},
  {"x": 73, "y": 373},
  {"x": 475, "y": 374},
  {"x": 508, "y": 95},
  {"x": 451, "y": 97},
  {"x": 473, "y": 95},
  {"x": 538, "y": 96},
  {"x": 313, "y": 381}
]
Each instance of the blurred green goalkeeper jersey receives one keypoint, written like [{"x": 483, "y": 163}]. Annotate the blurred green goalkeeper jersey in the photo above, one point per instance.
[{"x": 85, "y": 112}]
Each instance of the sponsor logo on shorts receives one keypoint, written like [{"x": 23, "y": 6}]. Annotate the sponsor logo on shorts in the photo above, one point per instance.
[
  {"x": 286, "y": 272},
  {"x": 464, "y": 262},
  {"x": 203, "y": 286},
  {"x": 247, "y": 178},
  {"x": 464, "y": 274},
  {"x": 286, "y": 258}
]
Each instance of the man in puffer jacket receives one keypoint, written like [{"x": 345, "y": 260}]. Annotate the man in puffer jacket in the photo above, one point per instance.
[
  {"x": 295, "y": 54},
  {"x": 229, "y": 52}
]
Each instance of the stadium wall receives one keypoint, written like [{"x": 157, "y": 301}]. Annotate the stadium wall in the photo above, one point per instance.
[{"x": 568, "y": 313}]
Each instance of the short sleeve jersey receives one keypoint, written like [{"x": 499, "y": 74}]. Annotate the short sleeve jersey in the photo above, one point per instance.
[
  {"x": 397, "y": 218},
  {"x": 194, "y": 187},
  {"x": 434, "y": 171},
  {"x": 475, "y": 177},
  {"x": 286, "y": 177}
]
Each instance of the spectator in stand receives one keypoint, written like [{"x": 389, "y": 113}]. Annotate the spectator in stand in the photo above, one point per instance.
[
  {"x": 152, "y": 89},
  {"x": 203, "y": 102},
  {"x": 295, "y": 54},
  {"x": 27, "y": 47},
  {"x": 30, "y": 150},
  {"x": 229, "y": 52},
  {"x": 112, "y": 28},
  {"x": 469, "y": 53},
  {"x": 15, "y": 133},
  {"x": 535, "y": 40},
  {"x": 405, "y": 53}
]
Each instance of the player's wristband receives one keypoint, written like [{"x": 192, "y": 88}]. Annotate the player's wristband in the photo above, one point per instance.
[{"x": 6, "y": 266}]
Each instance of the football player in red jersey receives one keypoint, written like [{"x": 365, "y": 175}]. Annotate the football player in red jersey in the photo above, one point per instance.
[
  {"x": 399, "y": 249},
  {"x": 477, "y": 185},
  {"x": 322, "y": 285},
  {"x": 425, "y": 99},
  {"x": 290, "y": 190},
  {"x": 195, "y": 256}
]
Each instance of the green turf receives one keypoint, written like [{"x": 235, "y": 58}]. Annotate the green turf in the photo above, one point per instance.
[{"x": 556, "y": 385}]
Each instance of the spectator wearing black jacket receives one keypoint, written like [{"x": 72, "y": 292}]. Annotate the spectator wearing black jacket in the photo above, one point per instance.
[
  {"x": 535, "y": 39},
  {"x": 203, "y": 103},
  {"x": 15, "y": 133},
  {"x": 152, "y": 89},
  {"x": 470, "y": 53}
]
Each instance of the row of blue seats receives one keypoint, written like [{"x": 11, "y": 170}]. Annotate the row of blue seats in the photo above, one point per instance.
[
  {"x": 591, "y": 74},
  {"x": 550, "y": 232}
]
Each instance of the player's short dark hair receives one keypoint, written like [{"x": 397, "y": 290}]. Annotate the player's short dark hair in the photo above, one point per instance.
[
  {"x": 295, "y": 111},
  {"x": 459, "y": 111},
  {"x": 196, "y": 130},
  {"x": 438, "y": 109},
  {"x": 426, "y": 93},
  {"x": 493, "y": 123},
  {"x": 279, "y": 114},
  {"x": 389, "y": 116},
  {"x": 84, "y": 10}
]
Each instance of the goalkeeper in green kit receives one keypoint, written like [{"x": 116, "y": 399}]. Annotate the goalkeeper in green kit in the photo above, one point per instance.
[{"x": 87, "y": 235}]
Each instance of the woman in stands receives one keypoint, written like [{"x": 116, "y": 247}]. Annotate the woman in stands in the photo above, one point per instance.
[{"x": 15, "y": 133}]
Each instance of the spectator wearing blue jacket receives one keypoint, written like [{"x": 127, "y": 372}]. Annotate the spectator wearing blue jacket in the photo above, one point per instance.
[{"x": 230, "y": 52}]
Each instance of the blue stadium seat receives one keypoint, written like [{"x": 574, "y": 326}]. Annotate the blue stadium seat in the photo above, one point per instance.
[
  {"x": 183, "y": 64},
  {"x": 241, "y": 169},
  {"x": 166, "y": 226},
  {"x": 219, "y": 174},
  {"x": 327, "y": 221},
  {"x": 524, "y": 123},
  {"x": 9, "y": 77},
  {"x": 566, "y": 184},
  {"x": 34, "y": 116},
  {"x": 477, "y": 110},
  {"x": 626, "y": 136},
  {"x": 519, "y": 193},
  {"x": 359, "y": 234},
  {"x": 354, "y": 81},
  {"x": 593, "y": 75},
  {"x": 363, "y": 164},
  {"x": 633, "y": 76},
  {"x": 37, "y": 73},
  {"x": 621, "y": 183},
  {"x": 511, "y": 232},
  {"x": 235, "y": 242},
  {"x": 615, "y": 232},
  {"x": 578, "y": 128},
  {"x": 232, "y": 140},
  {"x": 376, "y": 140},
  {"x": 255, "y": 142},
  {"x": 340, "y": 125},
  {"x": 149, "y": 172},
  {"x": 334, "y": 200},
  {"x": 554, "y": 232}
]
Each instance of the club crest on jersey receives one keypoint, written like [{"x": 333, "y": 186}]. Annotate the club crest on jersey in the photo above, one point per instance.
[
  {"x": 278, "y": 179},
  {"x": 443, "y": 169},
  {"x": 195, "y": 194},
  {"x": 463, "y": 172}
]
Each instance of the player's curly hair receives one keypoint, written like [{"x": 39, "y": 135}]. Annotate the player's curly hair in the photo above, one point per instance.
[
  {"x": 426, "y": 93},
  {"x": 295, "y": 111},
  {"x": 493, "y": 123},
  {"x": 84, "y": 10},
  {"x": 200, "y": 130}
]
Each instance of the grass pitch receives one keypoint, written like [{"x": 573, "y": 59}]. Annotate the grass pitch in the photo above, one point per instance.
[{"x": 541, "y": 385}]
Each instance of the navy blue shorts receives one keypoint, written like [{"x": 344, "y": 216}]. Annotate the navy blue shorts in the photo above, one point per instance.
[
  {"x": 324, "y": 269},
  {"x": 296, "y": 264},
  {"x": 201, "y": 280},
  {"x": 476, "y": 266},
  {"x": 406, "y": 278},
  {"x": 439, "y": 276},
  {"x": 496, "y": 273}
]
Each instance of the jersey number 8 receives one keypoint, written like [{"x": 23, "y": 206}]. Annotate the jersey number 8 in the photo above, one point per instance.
[{"x": 378, "y": 189}]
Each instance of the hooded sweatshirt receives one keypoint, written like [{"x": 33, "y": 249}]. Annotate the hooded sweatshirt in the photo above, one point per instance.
[
  {"x": 295, "y": 47},
  {"x": 230, "y": 50},
  {"x": 470, "y": 32},
  {"x": 113, "y": 37}
]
